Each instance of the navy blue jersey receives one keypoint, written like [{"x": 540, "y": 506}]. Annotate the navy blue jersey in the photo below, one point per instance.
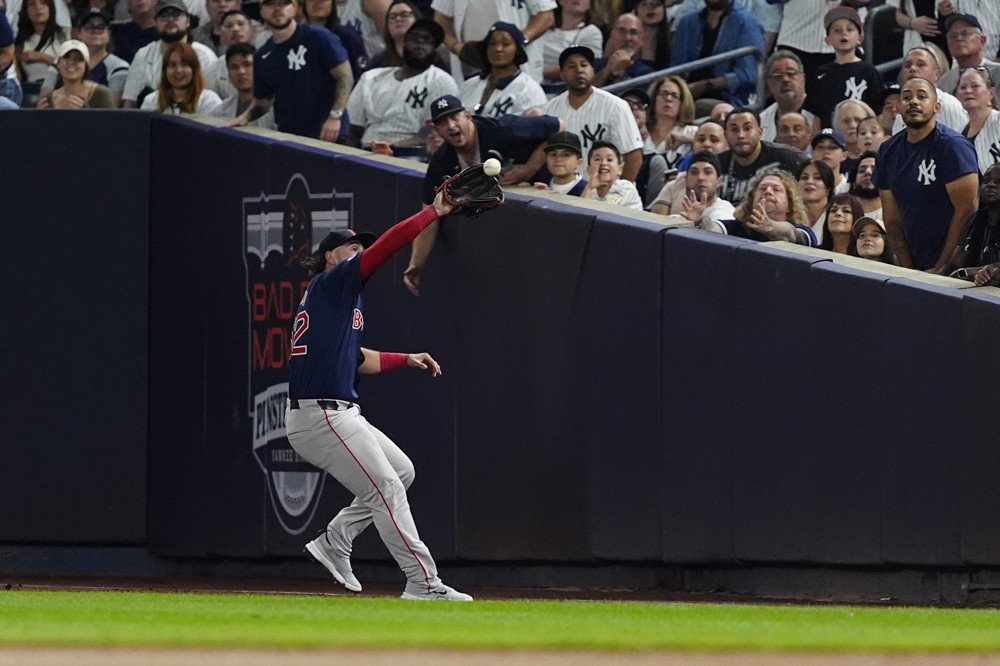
[
  {"x": 326, "y": 335},
  {"x": 296, "y": 73},
  {"x": 128, "y": 38},
  {"x": 513, "y": 137}
]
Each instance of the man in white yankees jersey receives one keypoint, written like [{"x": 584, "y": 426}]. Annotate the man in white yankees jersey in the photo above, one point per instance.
[
  {"x": 391, "y": 104},
  {"x": 594, "y": 114}
]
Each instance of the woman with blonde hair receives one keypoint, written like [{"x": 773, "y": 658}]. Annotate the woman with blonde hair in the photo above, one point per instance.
[
  {"x": 671, "y": 122},
  {"x": 771, "y": 211},
  {"x": 182, "y": 85},
  {"x": 979, "y": 97}
]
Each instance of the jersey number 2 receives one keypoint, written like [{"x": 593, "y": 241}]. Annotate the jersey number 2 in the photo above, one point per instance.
[{"x": 301, "y": 326}]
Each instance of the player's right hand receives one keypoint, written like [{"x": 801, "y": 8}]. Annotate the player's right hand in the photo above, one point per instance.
[{"x": 411, "y": 278}]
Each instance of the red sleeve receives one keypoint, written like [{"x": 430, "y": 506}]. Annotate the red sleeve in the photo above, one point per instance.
[{"x": 394, "y": 240}]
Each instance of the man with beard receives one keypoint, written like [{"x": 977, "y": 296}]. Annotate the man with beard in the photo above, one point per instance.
[
  {"x": 862, "y": 186},
  {"x": 595, "y": 114},
  {"x": 786, "y": 80},
  {"x": 977, "y": 257},
  {"x": 517, "y": 141},
  {"x": 701, "y": 203},
  {"x": 772, "y": 211},
  {"x": 748, "y": 155},
  {"x": 927, "y": 179},
  {"x": 391, "y": 104},
  {"x": 172, "y": 25},
  {"x": 720, "y": 27},
  {"x": 303, "y": 71}
]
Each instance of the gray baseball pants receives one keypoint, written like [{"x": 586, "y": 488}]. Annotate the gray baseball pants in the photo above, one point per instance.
[{"x": 376, "y": 471}]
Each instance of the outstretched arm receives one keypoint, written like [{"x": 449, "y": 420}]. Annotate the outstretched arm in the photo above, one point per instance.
[
  {"x": 401, "y": 235},
  {"x": 376, "y": 362}
]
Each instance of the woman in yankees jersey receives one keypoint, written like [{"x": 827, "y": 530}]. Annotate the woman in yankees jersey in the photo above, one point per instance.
[{"x": 324, "y": 424}]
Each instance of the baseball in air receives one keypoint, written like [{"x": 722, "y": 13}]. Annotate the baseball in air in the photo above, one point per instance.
[{"x": 491, "y": 167}]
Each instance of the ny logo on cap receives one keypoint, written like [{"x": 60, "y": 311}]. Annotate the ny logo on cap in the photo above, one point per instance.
[{"x": 442, "y": 104}]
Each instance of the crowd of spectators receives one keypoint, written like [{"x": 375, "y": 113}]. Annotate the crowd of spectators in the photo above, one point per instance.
[{"x": 900, "y": 171}]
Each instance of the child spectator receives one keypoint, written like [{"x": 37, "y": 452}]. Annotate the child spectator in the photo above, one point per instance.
[
  {"x": 564, "y": 156},
  {"x": 848, "y": 76},
  {"x": 604, "y": 177},
  {"x": 871, "y": 134}
]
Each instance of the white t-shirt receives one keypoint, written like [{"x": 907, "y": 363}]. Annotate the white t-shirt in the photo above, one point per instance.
[
  {"x": 555, "y": 41},
  {"x": 207, "y": 103},
  {"x": 769, "y": 122},
  {"x": 148, "y": 65},
  {"x": 520, "y": 94},
  {"x": 621, "y": 192}
]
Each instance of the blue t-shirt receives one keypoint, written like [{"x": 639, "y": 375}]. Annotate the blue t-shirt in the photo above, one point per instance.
[
  {"x": 917, "y": 175},
  {"x": 326, "y": 336},
  {"x": 296, "y": 73},
  {"x": 6, "y": 36},
  {"x": 128, "y": 38}
]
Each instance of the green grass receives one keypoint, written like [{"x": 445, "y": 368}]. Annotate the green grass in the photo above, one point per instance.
[{"x": 156, "y": 619}]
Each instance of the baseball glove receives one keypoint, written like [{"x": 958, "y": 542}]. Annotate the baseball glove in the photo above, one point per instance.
[{"x": 471, "y": 191}]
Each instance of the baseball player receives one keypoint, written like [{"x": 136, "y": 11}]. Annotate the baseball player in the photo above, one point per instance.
[
  {"x": 594, "y": 114},
  {"x": 391, "y": 104},
  {"x": 324, "y": 422}
]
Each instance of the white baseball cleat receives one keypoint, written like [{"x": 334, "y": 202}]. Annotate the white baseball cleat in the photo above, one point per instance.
[
  {"x": 440, "y": 593},
  {"x": 338, "y": 566}
]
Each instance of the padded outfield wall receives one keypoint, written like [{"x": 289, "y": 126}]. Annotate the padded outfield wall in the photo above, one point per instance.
[{"x": 617, "y": 393}]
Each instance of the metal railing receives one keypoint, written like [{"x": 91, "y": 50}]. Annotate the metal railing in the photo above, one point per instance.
[{"x": 640, "y": 81}]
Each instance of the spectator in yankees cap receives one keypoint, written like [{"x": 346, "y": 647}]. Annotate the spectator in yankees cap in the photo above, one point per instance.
[{"x": 518, "y": 142}]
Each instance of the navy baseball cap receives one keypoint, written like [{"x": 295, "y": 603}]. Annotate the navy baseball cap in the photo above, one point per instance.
[
  {"x": 585, "y": 51},
  {"x": 93, "y": 13},
  {"x": 335, "y": 239},
  {"x": 568, "y": 140},
  {"x": 829, "y": 133},
  {"x": 956, "y": 17},
  {"x": 437, "y": 32},
  {"x": 639, "y": 94},
  {"x": 445, "y": 105}
]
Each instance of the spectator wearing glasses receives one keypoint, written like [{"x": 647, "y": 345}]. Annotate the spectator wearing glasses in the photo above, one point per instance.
[
  {"x": 988, "y": 14},
  {"x": 173, "y": 26},
  {"x": 786, "y": 81},
  {"x": 978, "y": 96},
  {"x": 76, "y": 92},
  {"x": 572, "y": 25},
  {"x": 722, "y": 26},
  {"x": 398, "y": 19},
  {"x": 671, "y": 123},
  {"x": 502, "y": 88},
  {"x": 966, "y": 42},
  {"x": 623, "y": 53},
  {"x": 106, "y": 68}
]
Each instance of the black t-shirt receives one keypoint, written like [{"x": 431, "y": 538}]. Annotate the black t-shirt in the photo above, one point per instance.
[
  {"x": 832, "y": 83},
  {"x": 736, "y": 178},
  {"x": 510, "y": 139},
  {"x": 128, "y": 38}
]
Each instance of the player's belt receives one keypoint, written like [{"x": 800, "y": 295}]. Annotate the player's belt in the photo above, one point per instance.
[{"x": 334, "y": 405}]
